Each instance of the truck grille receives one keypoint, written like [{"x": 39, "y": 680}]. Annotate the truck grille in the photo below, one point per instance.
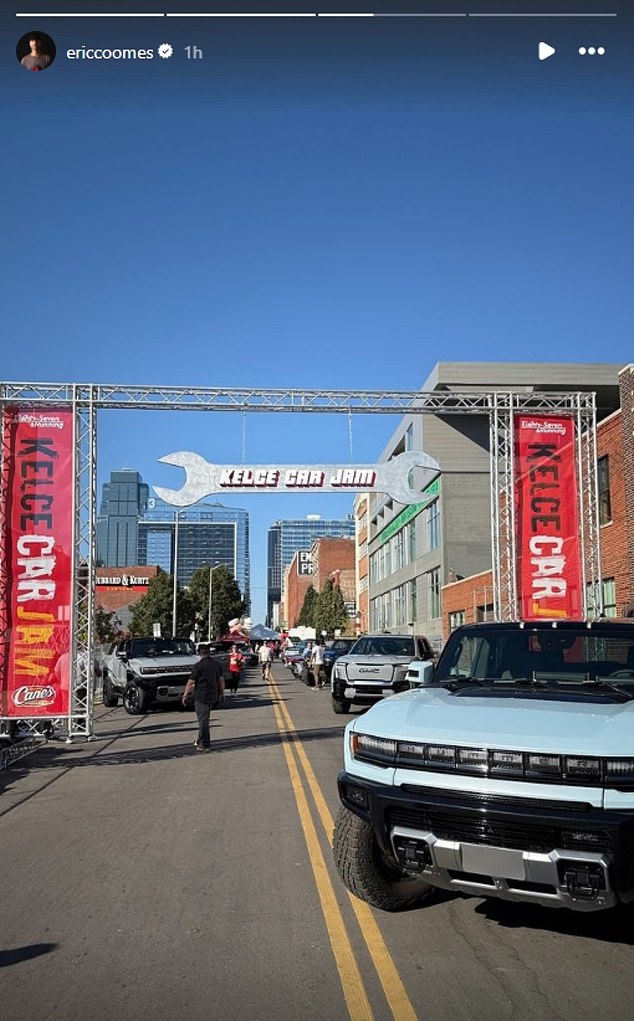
[
  {"x": 177, "y": 672},
  {"x": 522, "y": 834}
]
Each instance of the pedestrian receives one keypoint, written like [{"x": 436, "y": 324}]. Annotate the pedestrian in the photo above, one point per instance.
[
  {"x": 316, "y": 664},
  {"x": 264, "y": 659},
  {"x": 235, "y": 666},
  {"x": 208, "y": 686}
]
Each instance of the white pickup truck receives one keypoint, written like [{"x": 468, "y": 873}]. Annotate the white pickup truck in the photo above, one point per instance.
[
  {"x": 147, "y": 671},
  {"x": 375, "y": 666},
  {"x": 509, "y": 773}
]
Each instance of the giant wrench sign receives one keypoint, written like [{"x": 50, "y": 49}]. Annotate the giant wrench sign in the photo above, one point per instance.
[{"x": 392, "y": 477}]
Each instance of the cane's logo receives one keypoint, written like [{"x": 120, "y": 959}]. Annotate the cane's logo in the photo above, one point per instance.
[{"x": 34, "y": 695}]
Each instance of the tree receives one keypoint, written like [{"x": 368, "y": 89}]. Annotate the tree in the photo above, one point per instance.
[
  {"x": 157, "y": 607},
  {"x": 226, "y": 599},
  {"x": 107, "y": 625},
  {"x": 307, "y": 612},
  {"x": 330, "y": 610}
]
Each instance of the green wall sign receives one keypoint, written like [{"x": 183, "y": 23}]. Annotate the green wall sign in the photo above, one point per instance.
[{"x": 429, "y": 493}]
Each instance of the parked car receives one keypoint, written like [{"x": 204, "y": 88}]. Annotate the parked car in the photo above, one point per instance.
[
  {"x": 292, "y": 654},
  {"x": 376, "y": 666},
  {"x": 147, "y": 671},
  {"x": 339, "y": 647}
]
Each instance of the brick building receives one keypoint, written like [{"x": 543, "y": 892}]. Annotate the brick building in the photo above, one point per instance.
[
  {"x": 297, "y": 579},
  {"x": 119, "y": 588},
  {"x": 334, "y": 559},
  {"x": 329, "y": 558}
]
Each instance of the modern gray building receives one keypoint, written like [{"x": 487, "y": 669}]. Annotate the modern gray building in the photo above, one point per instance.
[
  {"x": 413, "y": 551},
  {"x": 285, "y": 538},
  {"x": 136, "y": 528}
]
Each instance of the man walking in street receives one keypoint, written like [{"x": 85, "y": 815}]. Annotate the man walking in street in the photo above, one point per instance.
[
  {"x": 208, "y": 686},
  {"x": 264, "y": 659},
  {"x": 317, "y": 663}
]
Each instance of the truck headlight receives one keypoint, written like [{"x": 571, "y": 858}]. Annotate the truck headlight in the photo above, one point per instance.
[
  {"x": 339, "y": 671},
  {"x": 619, "y": 772},
  {"x": 368, "y": 748},
  {"x": 544, "y": 765},
  {"x": 583, "y": 767}
]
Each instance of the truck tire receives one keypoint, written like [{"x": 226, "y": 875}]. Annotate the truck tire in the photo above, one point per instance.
[
  {"x": 110, "y": 697},
  {"x": 340, "y": 707},
  {"x": 135, "y": 700},
  {"x": 365, "y": 872}
]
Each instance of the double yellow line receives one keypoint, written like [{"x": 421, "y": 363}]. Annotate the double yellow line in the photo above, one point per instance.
[{"x": 354, "y": 991}]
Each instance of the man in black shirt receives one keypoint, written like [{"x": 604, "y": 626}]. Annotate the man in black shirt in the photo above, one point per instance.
[{"x": 207, "y": 683}]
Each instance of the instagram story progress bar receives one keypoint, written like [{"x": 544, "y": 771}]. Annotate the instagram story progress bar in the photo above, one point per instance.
[{"x": 316, "y": 14}]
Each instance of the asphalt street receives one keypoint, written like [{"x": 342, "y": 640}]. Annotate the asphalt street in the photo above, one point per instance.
[{"x": 143, "y": 880}]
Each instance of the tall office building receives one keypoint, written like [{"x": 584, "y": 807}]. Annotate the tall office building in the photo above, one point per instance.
[
  {"x": 207, "y": 534},
  {"x": 136, "y": 528},
  {"x": 285, "y": 538},
  {"x": 123, "y": 502}
]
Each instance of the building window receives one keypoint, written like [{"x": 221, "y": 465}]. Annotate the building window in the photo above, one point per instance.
[
  {"x": 433, "y": 594},
  {"x": 385, "y": 562},
  {"x": 374, "y": 567},
  {"x": 409, "y": 437},
  {"x": 456, "y": 619},
  {"x": 413, "y": 602},
  {"x": 433, "y": 525},
  {"x": 603, "y": 480},
  {"x": 399, "y": 550},
  {"x": 400, "y": 605},
  {"x": 484, "y": 612},
  {"x": 411, "y": 542},
  {"x": 609, "y": 597}
]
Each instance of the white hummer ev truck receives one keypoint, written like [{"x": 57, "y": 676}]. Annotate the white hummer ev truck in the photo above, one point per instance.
[
  {"x": 509, "y": 773},
  {"x": 145, "y": 672}
]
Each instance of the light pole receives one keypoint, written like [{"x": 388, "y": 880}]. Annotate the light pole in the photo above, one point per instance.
[
  {"x": 211, "y": 572},
  {"x": 175, "y": 588}
]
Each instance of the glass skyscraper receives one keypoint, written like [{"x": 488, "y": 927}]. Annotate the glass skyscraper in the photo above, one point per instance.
[
  {"x": 136, "y": 528},
  {"x": 124, "y": 500}
]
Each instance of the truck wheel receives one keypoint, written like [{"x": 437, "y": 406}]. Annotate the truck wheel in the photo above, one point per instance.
[
  {"x": 135, "y": 700},
  {"x": 367, "y": 874},
  {"x": 110, "y": 697},
  {"x": 340, "y": 707}
]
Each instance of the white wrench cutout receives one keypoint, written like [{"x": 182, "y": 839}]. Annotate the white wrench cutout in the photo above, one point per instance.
[{"x": 391, "y": 477}]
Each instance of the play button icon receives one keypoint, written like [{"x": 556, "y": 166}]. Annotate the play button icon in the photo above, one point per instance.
[{"x": 545, "y": 50}]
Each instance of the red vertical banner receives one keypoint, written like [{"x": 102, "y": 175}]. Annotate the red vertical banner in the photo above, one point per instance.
[
  {"x": 548, "y": 544},
  {"x": 37, "y": 511}
]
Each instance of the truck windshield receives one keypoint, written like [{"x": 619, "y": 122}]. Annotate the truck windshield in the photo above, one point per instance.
[
  {"x": 541, "y": 655},
  {"x": 386, "y": 645},
  {"x": 161, "y": 647}
]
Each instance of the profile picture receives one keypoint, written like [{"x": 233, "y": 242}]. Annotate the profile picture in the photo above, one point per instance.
[{"x": 35, "y": 51}]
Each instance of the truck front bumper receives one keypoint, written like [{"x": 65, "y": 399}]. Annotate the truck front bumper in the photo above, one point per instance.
[{"x": 557, "y": 854}]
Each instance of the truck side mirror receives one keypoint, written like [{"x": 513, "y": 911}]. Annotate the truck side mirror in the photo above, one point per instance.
[{"x": 420, "y": 673}]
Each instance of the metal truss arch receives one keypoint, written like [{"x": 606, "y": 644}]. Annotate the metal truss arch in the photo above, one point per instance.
[{"x": 500, "y": 406}]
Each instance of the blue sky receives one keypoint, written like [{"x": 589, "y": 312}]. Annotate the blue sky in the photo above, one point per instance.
[{"x": 336, "y": 204}]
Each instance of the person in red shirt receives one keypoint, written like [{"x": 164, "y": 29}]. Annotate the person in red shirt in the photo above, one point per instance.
[{"x": 235, "y": 667}]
